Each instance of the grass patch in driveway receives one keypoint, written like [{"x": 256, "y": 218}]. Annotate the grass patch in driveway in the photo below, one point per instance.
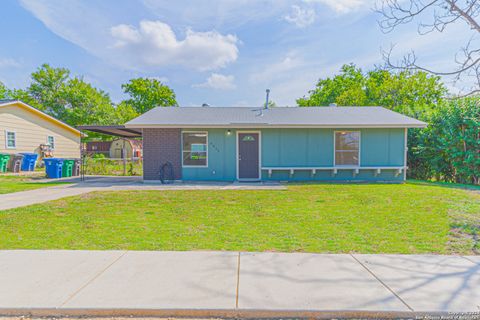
[
  {"x": 10, "y": 184},
  {"x": 364, "y": 218}
]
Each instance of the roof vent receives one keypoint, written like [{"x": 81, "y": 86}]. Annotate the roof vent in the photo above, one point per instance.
[
  {"x": 266, "y": 101},
  {"x": 333, "y": 105},
  {"x": 204, "y": 105}
]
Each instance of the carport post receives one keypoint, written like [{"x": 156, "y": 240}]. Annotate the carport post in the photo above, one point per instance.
[{"x": 124, "y": 158}]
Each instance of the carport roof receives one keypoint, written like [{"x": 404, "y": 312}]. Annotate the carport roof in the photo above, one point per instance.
[
  {"x": 117, "y": 131},
  {"x": 276, "y": 117}
]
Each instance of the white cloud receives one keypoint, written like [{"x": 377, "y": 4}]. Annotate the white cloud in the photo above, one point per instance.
[
  {"x": 141, "y": 48},
  {"x": 161, "y": 79},
  {"x": 9, "y": 63},
  {"x": 343, "y": 6},
  {"x": 301, "y": 17},
  {"x": 271, "y": 72},
  {"x": 154, "y": 43},
  {"x": 218, "y": 81}
]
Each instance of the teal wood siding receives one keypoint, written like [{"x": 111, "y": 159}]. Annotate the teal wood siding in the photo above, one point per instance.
[
  {"x": 382, "y": 147},
  {"x": 297, "y": 147},
  {"x": 302, "y": 148}
]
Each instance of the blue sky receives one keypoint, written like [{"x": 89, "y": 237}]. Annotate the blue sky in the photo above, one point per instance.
[{"x": 225, "y": 53}]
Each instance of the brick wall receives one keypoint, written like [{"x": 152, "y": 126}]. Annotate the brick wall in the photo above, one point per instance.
[{"x": 160, "y": 146}]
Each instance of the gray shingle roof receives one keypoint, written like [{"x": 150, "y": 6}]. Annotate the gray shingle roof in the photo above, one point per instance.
[{"x": 242, "y": 117}]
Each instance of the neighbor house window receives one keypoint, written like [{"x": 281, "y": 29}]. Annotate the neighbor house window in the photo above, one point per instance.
[
  {"x": 10, "y": 140},
  {"x": 51, "y": 141},
  {"x": 194, "y": 148},
  {"x": 347, "y": 148}
]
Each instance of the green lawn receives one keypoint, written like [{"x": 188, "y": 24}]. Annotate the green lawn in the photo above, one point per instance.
[
  {"x": 9, "y": 184},
  {"x": 365, "y": 218}
]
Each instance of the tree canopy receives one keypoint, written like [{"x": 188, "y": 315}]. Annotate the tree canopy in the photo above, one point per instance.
[
  {"x": 84, "y": 104},
  {"x": 46, "y": 88},
  {"x": 3, "y": 91},
  {"x": 148, "y": 93},
  {"x": 408, "y": 92},
  {"x": 77, "y": 102}
]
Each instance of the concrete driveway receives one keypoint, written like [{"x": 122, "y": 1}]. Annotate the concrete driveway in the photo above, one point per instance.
[
  {"x": 235, "y": 284},
  {"x": 106, "y": 183}
]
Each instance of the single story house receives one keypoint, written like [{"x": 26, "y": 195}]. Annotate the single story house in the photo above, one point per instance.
[
  {"x": 279, "y": 143},
  {"x": 24, "y": 128},
  {"x": 113, "y": 149}
]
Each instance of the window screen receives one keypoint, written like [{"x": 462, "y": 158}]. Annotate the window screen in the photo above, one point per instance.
[{"x": 347, "y": 148}]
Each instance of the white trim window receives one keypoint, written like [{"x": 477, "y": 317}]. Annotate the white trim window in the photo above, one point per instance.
[
  {"x": 195, "y": 149},
  {"x": 51, "y": 142},
  {"x": 347, "y": 148},
  {"x": 10, "y": 139}
]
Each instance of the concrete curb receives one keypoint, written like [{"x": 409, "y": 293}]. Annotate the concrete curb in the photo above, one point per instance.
[{"x": 215, "y": 313}]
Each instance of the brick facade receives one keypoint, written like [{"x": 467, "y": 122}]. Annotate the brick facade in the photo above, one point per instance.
[{"x": 160, "y": 146}]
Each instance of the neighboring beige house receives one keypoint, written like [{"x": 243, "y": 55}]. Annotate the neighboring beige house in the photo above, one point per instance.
[{"x": 26, "y": 129}]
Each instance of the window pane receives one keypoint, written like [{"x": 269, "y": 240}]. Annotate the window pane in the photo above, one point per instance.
[
  {"x": 194, "y": 158},
  {"x": 197, "y": 147},
  {"x": 51, "y": 141},
  {"x": 346, "y": 158},
  {"x": 347, "y": 140},
  {"x": 248, "y": 138},
  {"x": 347, "y": 148},
  {"x": 192, "y": 138},
  {"x": 11, "y": 140},
  {"x": 194, "y": 148}
]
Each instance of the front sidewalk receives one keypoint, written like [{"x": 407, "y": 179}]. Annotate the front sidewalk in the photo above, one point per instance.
[{"x": 233, "y": 283}]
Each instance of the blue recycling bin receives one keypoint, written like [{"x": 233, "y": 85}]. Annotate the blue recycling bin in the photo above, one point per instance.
[
  {"x": 28, "y": 162},
  {"x": 53, "y": 167}
]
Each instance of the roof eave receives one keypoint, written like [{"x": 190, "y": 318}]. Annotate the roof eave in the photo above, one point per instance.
[
  {"x": 263, "y": 125},
  {"x": 59, "y": 122}
]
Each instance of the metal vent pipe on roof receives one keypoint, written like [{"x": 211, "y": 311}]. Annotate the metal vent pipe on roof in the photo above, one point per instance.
[{"x": 266, "y": 102}]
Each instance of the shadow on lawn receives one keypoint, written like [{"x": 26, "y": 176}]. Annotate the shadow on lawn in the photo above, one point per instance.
[{"x": 444, "y": 185}]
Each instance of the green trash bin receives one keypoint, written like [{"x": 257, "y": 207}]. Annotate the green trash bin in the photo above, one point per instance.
[
  {"x": 4, "y": 158},
  {"x": 67, "y": 167}
]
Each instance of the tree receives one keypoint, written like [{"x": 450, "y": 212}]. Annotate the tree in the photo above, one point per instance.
[
  {"x": 47, "y": 88},
  {"x": 442, "y": 13},
  {"x": 24, "y": 96},
  {"x": 147, "y": 93},
  {"x": 412, "y": 93},
  {"x": 84, "y": 104},
  {"x": 451, "y": 143},
  {"x": 71, "y": 100},
  {"x": 125, "y": 112},
  {"x": 3, "y": 91},
  {"x": 347, "y": 88}
]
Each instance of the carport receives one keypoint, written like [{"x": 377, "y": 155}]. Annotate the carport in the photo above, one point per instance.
[{"x": 113, "y": 130}]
